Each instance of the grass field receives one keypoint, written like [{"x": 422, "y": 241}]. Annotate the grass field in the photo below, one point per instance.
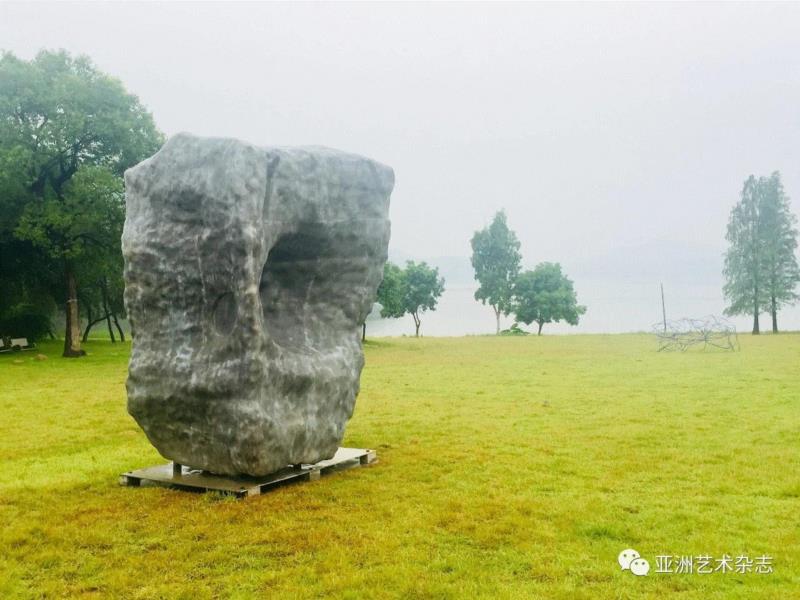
[{"x": 509, "y": 468}]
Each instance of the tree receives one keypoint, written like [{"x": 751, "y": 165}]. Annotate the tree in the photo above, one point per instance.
[
  {"x": 390, "y": 294},
  {"x": 496, "y": 258},
  {"x": 60, "y": 116},
  {"x": 392, "y": 291},
  {"x": 761, "y": 270},
  {"x": 25, "y": 321},
  {"x": 546, "y": 295},
  {"x": 412, "y": 290},
  {"x": 780, "y": 269},
  {"x": 26, "y": 274},
  {"x": 101, "y": 295},
  {"x": 743, "y": 287},
  {"x": 78, "y": 230},
  {"x": 422, "y": 289}
]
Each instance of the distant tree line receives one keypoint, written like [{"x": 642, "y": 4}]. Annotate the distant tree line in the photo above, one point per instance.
[
  {"x": 542, "y": 295},
  {"x": 761, "y": 270},
  {"x": 67, "y": 134}
]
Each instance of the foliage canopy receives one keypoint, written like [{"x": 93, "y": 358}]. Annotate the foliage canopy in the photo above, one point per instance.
[
  {"x": 761, "y": 270},
  {"x": 412, "y": 290},
  {"x": 496, "y": 260},
  {"x": 67, "y": 134},
  {"x": 546, "y": 295}
]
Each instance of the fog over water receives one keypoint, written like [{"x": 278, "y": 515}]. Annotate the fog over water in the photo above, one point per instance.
[{"x": 616, "y": 136}]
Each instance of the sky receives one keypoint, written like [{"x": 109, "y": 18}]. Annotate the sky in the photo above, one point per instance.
[{"x": 610, "y": 133}]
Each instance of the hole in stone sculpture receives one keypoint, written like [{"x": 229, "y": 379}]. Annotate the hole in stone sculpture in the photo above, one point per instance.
[{"x": 293, "y": 285}]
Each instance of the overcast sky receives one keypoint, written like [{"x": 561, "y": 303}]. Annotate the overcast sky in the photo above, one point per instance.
[{"x": 595, "y": 126}]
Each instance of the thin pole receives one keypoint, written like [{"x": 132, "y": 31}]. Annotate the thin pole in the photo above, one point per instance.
[{"x": 663, "y": 308}]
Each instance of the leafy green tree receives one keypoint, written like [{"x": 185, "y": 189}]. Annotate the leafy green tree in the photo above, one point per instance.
[
  {"x": 780, "y": 269},
  {"x": 421, "y": 290},
  {"x": 761, "y": 270},
  {"x": 391, "y": 293},
  {"x": 546, "y": 295},
  {"x": 412, "y": 290},
  {"x": 61, "y": 117},
  {"x": 25, "y": 321},
  {"x": 744, "y": 288},
  {"x": 26, "y": 275},
  {"x": 496, "y": 259},
  {"x": 81, "y": 227}
]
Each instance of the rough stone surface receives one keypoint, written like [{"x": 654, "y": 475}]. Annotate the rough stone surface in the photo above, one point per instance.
[{"x": 248, "y": 272}]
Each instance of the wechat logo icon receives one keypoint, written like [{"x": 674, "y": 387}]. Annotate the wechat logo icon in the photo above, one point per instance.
[{"x": 630, "y": 560}]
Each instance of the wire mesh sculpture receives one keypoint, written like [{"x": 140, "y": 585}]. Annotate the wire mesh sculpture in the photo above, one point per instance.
[{"x": 710, "y": 331}]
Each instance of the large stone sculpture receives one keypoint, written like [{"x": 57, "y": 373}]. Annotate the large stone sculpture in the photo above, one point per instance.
[{"x": 248, "y": 272}]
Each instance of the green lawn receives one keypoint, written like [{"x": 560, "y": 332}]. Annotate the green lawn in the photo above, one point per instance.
[{"x": 509, "y": 468}]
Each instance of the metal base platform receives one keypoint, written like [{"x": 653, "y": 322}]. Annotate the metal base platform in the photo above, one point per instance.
[{"x": 183, "y": 477}]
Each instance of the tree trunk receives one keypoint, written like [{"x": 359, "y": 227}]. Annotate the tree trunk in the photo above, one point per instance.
[
  {"x": 756, "y": 329},
  {"x": 104, "y": 291},
  {"x": 119, "y": 329},
  {"x": 416, "y": 324},
  {"x": 89, "y": 326},
  {"x": 497, "y": 317},
  {"x": 774, "y": 308},
  {"x": 364, "y": 331},
  {"x": 110, "y": 330},
  {"x": 72, "y": 334},
  {"x": 89, "y": 323},
  {"x": 540, "y": 329}
]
